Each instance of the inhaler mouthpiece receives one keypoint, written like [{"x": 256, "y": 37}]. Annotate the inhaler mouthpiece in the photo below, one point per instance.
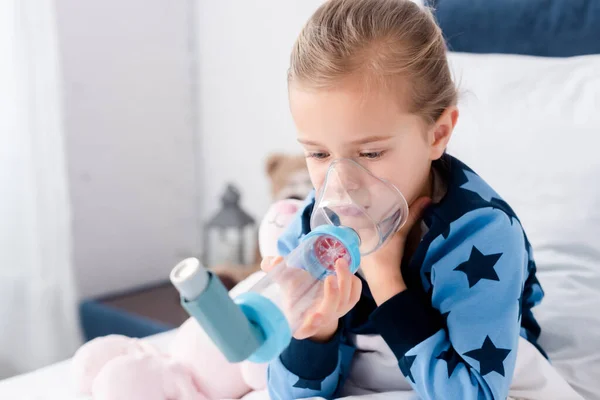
[{"x": 353, "y": 197}]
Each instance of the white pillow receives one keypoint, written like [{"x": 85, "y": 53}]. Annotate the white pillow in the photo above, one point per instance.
[{"x": 531, "y": 128}]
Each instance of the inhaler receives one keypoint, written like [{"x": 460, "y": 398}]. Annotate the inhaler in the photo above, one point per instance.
[{"x": 354, "y": 214}]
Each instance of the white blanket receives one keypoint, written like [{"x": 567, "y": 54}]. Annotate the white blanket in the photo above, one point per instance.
[
  {"x": 534, "y": 379},
  {"x": 55, "y": 382}
]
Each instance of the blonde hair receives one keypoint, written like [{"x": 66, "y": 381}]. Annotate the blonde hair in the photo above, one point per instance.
[{"x": 377, "y": 40}]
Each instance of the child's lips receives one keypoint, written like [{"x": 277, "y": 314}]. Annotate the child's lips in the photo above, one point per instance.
[{"x": 350, "y": 211}]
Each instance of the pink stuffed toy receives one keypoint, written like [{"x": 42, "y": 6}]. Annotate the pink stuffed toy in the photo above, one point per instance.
[{"x": 192, "y": 368}]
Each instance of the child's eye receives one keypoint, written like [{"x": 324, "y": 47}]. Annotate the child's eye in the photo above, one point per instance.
[
  {"x": 318, "y": 155},
  {"x": 372, "y": 155}
]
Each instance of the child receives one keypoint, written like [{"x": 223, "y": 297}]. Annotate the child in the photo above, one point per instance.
[{"x": 447, "y": 298}]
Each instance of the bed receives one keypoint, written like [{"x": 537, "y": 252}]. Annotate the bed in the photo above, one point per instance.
[{"x": 529, "y": 125}]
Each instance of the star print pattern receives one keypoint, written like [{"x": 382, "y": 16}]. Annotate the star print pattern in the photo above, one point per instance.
[
  {"x": 474, "y": 278},
  {"x": 452, "y": 359},
  {"x": 520, "y": 301},
  {"x": 427, "y": 283},
  {"x": 490, "y": 357},
  {"x": 503, "y": 206},
  {"x": 479, "y": 266},
  {"x": 307, "y": 384},
  {"x": 446, "y": 232},
  {"x": 406, "y": 363},
  {"x": 472, "y": 185},
  {"x": 445, "y": 317}
]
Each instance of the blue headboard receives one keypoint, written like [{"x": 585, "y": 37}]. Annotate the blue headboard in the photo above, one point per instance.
[{"x": 550, "y": 28}]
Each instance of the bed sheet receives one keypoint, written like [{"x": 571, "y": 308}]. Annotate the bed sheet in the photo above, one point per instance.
[
  {"x": 263, "y": 395},
  {"x": 534, "y": 379},
  {"x": 55, "y": 381},
  {"x": 50, "y": 383}
]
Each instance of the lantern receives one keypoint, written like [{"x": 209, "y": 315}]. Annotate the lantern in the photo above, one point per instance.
[{"x": 230, "y": 236}]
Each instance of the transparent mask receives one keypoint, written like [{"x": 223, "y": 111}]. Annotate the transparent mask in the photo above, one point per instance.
[{"x": 353, "y": 197}]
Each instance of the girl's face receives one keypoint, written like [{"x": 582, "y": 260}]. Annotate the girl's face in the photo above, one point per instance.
[{"x": 372, "y": 129}]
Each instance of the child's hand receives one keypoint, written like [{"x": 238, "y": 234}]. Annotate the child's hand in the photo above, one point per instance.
[
  {"x": 340, "y": 294},
  {"x": 382, "y": 268}
]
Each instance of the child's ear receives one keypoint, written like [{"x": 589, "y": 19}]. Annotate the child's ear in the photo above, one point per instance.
[{"x": 442, "y": 131}]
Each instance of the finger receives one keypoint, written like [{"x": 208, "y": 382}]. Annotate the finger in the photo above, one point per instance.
[
  {"x": 344, "y": 278},
  {"x": 309, "y": 326},
  {"x": 269, "y": 262},
  {"x": 276, "y": 260},
  {"x": 355, "y": 292},
  {"x": 314, "y": 321},
  {"x": 266, "y": 262},
  {"x": 331, "y": 296},
  {"x": 303, "y": 332},
  {"x": 297, "y": 282}
]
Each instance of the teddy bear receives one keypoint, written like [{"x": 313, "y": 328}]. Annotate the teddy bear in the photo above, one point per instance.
[
  {"x": 116, "y": 367},
  {"x": 289, "y": 176},
  {"x": 289, "y": 179}
]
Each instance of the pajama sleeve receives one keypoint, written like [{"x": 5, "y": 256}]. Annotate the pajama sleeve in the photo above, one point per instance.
[
  {"x": 475, "y": 275},
  {"x": 305, "y": 368}
]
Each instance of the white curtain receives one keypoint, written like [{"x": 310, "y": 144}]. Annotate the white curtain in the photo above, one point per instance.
[{"x": 38, "y": 313}]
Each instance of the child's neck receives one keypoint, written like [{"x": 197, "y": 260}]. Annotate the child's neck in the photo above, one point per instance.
[
  {"x": 427, "y": 188},
  {"x": 414, "y": 236}
]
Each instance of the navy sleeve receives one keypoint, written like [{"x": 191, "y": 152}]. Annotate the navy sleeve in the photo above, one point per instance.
[
  {"x": 477, "y": 276},
  {"x": 312, "y": 360}
]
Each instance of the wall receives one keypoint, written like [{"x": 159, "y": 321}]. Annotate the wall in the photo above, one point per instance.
[
  {"x": 243, "y": 56},
  {"x": 141, "y": 181},
  {"x": 131, "y": 144}
]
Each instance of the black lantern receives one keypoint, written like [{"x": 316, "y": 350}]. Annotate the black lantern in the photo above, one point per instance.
[{"x": 230, "y": 236}]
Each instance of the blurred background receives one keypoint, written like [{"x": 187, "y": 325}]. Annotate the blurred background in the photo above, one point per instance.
[
  {"x": 136, "y": 133},
  {"x": 164, "y": 103},
  {"x": 122, "y": 124}
]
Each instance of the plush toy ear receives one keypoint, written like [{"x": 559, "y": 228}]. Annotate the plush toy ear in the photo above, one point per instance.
[{"x": 273, "y": 162}]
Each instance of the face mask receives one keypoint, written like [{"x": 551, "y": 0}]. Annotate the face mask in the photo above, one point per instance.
[{"x": 352, "y": 197}]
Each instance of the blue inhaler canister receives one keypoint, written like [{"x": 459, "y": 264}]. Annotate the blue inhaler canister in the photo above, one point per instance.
[{"x": 205, "y": 298}]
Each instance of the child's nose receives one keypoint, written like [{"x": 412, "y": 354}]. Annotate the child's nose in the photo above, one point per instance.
[
  {"x": 348, "y": 179},
  {"x": 352, "y": 184}
]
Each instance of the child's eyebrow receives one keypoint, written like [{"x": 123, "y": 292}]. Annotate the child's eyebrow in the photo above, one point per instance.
[
  {"x": 370, "y": 139},
  {"x": 308, "y": 142}
]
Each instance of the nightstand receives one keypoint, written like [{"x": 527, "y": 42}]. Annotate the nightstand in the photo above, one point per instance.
[{"x": 138, "y": 313}]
